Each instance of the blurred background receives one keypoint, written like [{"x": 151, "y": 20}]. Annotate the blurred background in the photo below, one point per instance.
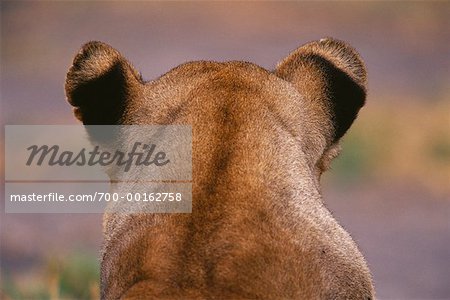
[{"x": 390, "y": 188}]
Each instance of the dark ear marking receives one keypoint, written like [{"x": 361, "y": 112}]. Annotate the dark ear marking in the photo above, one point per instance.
[
  {"x": 98, "y": 84},
  {"x": 331, "y": 75},
  {"x": 346, "y": 96}
]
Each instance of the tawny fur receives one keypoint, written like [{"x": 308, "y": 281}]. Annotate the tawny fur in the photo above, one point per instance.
[{"x": 258, "y": 227}]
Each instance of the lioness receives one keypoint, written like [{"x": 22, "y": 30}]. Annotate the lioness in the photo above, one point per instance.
[{"x": 261, "y": 140}]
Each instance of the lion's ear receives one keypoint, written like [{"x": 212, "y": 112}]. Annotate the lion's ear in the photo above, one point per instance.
[
  {"x": 100, "y": 84},
  {"x": 331, "y": 76}
]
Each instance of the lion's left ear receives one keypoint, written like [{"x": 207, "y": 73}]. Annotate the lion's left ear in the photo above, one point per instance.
[
  {"x": 331, "y": 77},
  {"x": 100, "y": 84}
]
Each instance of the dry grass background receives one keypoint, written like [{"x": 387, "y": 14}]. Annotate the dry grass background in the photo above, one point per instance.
[{"x": 410, "y": 144}]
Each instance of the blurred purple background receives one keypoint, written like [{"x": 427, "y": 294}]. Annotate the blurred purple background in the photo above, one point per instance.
[{"x": 390, "y": 191}]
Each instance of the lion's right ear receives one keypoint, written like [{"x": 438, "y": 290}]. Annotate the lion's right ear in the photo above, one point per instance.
[
  {"x": 100, "y": 83},
  {"x": 331, "y": 77}
]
